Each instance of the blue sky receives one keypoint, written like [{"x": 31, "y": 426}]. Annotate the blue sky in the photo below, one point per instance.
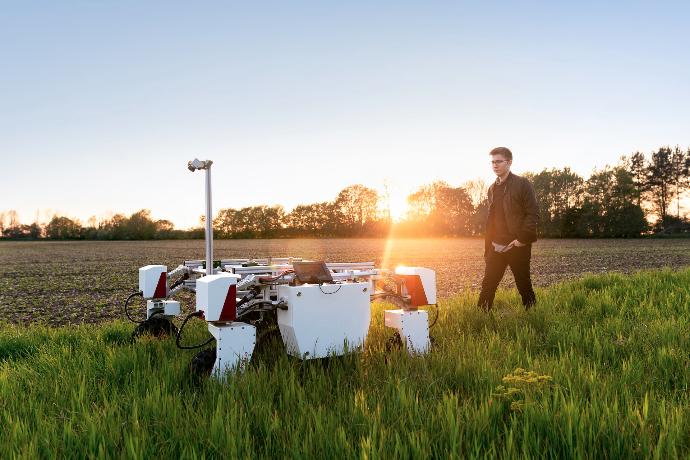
[{"x": 103, "y": 103}]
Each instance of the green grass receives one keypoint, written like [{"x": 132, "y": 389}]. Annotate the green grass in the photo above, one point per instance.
[{"x": 599, "y": 369}]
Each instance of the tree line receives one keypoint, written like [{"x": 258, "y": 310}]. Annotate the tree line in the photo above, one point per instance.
[
  {"x": 138, "y": 226},
  {"x": 640, "y": 195}
]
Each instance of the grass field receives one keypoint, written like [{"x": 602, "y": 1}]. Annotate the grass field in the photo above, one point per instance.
[{"x": 599, "y": 369}]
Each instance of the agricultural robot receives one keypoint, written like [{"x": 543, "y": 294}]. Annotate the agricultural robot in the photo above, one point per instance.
[{"x": 320, "y": 309}]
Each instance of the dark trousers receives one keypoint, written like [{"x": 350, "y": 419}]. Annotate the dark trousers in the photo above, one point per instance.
[{"x": 518, "y": 260}]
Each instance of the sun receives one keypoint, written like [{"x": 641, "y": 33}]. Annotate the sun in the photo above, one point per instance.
[
  {"x": 394, "y": 201},
  {"x": 398, "y": 207}
]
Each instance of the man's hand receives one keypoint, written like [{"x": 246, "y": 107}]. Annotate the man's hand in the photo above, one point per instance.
[{"x": 517, "y": 244}]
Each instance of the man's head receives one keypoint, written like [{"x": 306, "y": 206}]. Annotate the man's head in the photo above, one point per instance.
[{"x": 501, "y": 160}]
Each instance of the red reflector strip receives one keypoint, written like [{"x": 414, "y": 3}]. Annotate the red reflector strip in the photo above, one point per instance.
[
  {"x": 161, "y": 291},
  {"x": 414, "y": 286},
  {"x": 229, "y": 311}
]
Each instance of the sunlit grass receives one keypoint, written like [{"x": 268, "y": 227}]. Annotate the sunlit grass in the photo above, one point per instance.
[{"x": 600, "y": 368}]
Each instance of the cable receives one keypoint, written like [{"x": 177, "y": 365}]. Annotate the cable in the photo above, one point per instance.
[
  {"x": 438, "y": 312},
  {"x": 127, "y": 305},
  {"x": 329, "y": 293},
  {"x": 179, "y": 334}
]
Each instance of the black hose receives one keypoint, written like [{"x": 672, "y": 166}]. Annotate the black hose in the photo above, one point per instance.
[
  {"x": 438, "y": 312},
  {"x": 127, "y": 305},
  {"x": 179, "y": 334},
  {"x": 329, "y": 293}
]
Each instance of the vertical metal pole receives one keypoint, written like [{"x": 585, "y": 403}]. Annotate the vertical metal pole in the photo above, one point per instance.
[{"x": 209, "y": 224}]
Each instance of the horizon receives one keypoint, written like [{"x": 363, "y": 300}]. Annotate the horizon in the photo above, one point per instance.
[
  {"x": 106, "y": 103},
  {"x": 398, "y": 211}
]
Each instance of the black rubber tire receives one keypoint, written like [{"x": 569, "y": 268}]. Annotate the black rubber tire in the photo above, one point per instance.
[
  {"x": 202, "y": 363},
  {"x": 156, "y": 327}
]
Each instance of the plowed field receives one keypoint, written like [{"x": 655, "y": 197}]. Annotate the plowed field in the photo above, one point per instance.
[{"x": 86, "y": 282}]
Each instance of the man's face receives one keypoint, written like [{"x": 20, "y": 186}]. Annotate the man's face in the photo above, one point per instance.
[{"x": 500, "y": 165}]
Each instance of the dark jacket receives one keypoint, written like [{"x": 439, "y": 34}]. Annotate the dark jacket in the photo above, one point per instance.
[{"x": 520, "y": 207}]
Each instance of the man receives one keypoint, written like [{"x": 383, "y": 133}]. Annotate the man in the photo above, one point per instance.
[{"x": 511, "y": 228}]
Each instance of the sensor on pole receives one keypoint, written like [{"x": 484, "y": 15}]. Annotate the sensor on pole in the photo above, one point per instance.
[{"x": 195, "y": 165}]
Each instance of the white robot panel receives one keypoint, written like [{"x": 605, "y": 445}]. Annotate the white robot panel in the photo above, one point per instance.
[
  {"x": 324, "y": 320},
  {"x": 216, "y": 296},
  {"x": 153, "y": 281}
]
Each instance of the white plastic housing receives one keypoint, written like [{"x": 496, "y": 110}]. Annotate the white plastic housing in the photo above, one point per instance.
[
  {"x": 216, "y": 296},
  {"x": 153, "y": 281},
  {"x": 324, "y": 320},
  {"x": 413, "y": 327},
  {"x": 234, "y": 346},
  {"x": 420, "y": 284},
  {"x": 165, "y": 308}
]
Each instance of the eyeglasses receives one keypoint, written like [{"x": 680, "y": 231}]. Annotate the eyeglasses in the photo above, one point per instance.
[{"x": 497, "y": 162}]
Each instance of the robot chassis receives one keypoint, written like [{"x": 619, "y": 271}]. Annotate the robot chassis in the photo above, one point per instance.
[{"x": 243, "y": 300}]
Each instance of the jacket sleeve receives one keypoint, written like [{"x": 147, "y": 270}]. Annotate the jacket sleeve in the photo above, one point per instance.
[
  {"x": 487, "y": 240},
  {"x": 528, "y": 231}
]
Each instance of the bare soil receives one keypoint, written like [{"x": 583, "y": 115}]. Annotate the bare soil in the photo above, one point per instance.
[{"x": 86, "y": 282}]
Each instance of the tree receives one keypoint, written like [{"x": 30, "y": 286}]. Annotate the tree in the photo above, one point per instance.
[
  {"x": 577, "y": 221},
  {"x": 234, "y": 223},
  {"x": 35, "y": 231},
  {"x": 312, "y": 219},
  {"x": 680, "y": 164},
  {"x": 356, "y": 206},
  {"x": 558, "y": 191},
  {"x": 477, "y": 190},
  {"x": 13, "y": 218},
  {"x": 63, "y": 228},
  {"x": 479, "y": 216},
  {"x": 21, "y": 232},
  {"x": 114, "y": 228},
  {"x": 224, "y": 223},
  {"x": 567, "y": 188},
  {"x": 249, "y": 222},
  {"x": 268, "y": 220},
  {"x": 660, "y": 177},
  {"x": 442, "y": 210},
  {"x": 625, "y": 218},
  {"x": 453, "y": 211},
  {"x": 543, "y": 185},
  {"x": 140, "y": 226},
  {"x": 610, "y": 209},
  {"x": 638, "y": 170},
  {"x": 164, "y": 229},
  {"x": 422, "y": 202}
]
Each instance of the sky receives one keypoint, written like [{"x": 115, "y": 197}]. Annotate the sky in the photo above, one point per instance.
[{"x": 104, "y": 102}]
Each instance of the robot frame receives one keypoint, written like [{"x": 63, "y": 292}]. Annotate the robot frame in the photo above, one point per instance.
[{"x": 321, "y": 309}]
